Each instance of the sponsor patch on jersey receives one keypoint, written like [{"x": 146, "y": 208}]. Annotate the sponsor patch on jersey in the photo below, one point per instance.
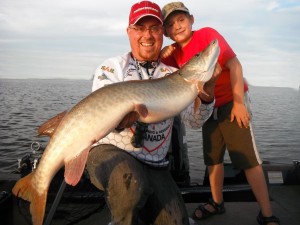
[
  {"x": 165, "y": 70},
  {"x": 108, "y": 69},
  {"x": 157, "y": 136},
  {"x": 102, "y": 77}
]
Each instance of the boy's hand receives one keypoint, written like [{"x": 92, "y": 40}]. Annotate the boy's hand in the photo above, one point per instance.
[
  {"x": 166, "y": 51},
  {"x": 240, "y": 113}
]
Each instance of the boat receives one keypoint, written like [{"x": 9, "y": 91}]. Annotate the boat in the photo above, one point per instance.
[{"x": 84, "y": 204}]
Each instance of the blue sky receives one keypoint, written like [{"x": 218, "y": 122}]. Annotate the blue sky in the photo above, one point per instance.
[{"x": 69, "y": 39}]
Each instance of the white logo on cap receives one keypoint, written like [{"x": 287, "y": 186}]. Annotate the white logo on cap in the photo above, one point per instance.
[{"x": 145, "y": 8}]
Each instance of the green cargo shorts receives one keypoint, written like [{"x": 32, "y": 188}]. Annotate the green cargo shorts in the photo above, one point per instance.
[{"x": 220, "y": 134}]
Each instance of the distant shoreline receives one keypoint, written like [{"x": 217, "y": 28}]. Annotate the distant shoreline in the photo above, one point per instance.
[
  {"x": 43, "y": 79},
  {"x": 80, "y": 79}
]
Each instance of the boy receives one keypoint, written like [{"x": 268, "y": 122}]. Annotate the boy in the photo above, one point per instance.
[{"x": 229, "y": 126}]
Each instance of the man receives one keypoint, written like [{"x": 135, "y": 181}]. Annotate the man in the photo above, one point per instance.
[{"x": 130, "y": 164}]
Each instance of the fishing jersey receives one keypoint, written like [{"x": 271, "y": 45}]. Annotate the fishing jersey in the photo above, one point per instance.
[
  {"x": 200, "y": 40},
  {"x": 158, "y": 135}
]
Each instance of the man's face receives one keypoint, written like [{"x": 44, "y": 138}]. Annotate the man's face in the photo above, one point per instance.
[{"x": 146, "y": 38}]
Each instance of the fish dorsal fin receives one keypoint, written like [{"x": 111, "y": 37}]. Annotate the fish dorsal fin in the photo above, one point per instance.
[
  {"x": 48, "y": 128},
  {"x": 74, "y": 167}
]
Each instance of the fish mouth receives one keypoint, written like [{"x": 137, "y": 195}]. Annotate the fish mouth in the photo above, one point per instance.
[
  {"x": 213, "y": 52},
  {"x": 203, "y": 64}
]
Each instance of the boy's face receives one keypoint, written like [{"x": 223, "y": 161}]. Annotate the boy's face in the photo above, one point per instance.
[{"x": 178, "y": 27}]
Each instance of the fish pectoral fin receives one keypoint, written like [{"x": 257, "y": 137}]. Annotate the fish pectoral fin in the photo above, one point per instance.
[
  {"x": 48, "y": 128},
  {"x": 141, "y": 109},
  {"x": 74, "y": 167},
  {"x": 200, "y": 86},
  {"x": 24, "y": 189},
  {"x": 197, "y": 104}
]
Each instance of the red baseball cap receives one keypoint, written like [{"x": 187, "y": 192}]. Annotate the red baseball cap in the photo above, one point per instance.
[{"x": 142, "y": 9}]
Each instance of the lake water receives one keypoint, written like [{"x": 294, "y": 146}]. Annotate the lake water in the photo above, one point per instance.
[{"x": 26, "y": 104}]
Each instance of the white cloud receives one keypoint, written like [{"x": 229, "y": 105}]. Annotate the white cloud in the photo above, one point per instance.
[{"x": 272, "y": 6}]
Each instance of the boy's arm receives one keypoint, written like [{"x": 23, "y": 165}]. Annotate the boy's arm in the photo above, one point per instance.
[{"x": 239, "y": 111}]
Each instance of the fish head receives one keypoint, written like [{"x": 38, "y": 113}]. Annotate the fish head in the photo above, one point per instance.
[{"x": 200, "y": 68}]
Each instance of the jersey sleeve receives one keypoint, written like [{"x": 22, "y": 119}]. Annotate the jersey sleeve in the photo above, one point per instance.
[{"x": 195, "y": 119}]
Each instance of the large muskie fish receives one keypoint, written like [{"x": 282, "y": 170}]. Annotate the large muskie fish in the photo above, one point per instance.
[{"x": 101, "y": 112}]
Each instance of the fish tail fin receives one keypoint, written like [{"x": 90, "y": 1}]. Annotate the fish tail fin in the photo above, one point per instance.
[
  {"x": 24, "y": 189},
  {"x": 37, "y": 208}
]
